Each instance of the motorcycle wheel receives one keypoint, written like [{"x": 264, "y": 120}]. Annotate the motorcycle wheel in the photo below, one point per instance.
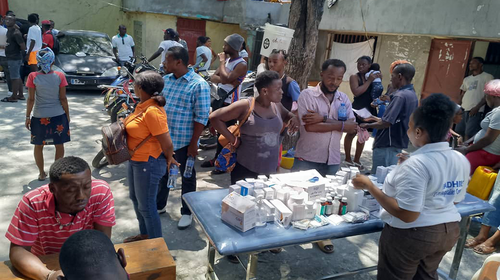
[
  {"x": 114, "y": 111},
  {"x": 98, "y": 161}
]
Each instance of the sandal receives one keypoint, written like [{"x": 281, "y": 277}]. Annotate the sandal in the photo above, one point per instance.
[
  {"x": 276, "y": 251},
  {"x": 472, "y": 242},
  {"x": 42, "y": 177},
  {"x": 138, "y": 237},
  {"x": 21, "y": 98},
  {"x": 7, "y": 99},
  {"x": 349, "y": 163},
  {"x": 359, "y": 166},
  {"x": 326, "y": 246},
  {"x": 484, "y": 250}
]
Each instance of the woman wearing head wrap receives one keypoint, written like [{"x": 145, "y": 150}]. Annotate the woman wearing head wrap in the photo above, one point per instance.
[
  {"x": 485, "y": 149},
  {"x": 47, "y": 112}
]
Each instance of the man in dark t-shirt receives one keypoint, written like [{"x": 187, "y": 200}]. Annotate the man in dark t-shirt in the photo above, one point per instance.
[
  {"x": 13, "y": 51},
  {"x": 391, "y": 136}
]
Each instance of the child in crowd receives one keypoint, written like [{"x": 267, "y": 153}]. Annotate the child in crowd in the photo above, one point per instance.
[{"x": 377, "y": 87}]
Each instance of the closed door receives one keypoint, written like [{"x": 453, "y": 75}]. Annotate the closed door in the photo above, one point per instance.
[
  {"x": 446, "y": 67},
  {"x": 190, "y": 30}
]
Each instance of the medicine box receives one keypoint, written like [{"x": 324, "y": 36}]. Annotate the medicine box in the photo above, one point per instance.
[
  {"x": 238, "y": 211},
  {"x": 234, "y": 188},
  {"x": 257, "y": 192},
  {"x": 314, "y": 190},
  {"x": 283, "y": 213},
  {"x": 262, "y": 177},
  {"x": 268, "y": 193},
  {"x": 271, "y": 210}
]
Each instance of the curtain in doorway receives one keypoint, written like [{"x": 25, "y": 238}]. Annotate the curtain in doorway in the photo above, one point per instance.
[{"x": 349, "y": 54}]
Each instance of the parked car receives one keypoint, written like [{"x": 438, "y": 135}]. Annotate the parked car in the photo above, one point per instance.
[{"x": 86, "y": 58}]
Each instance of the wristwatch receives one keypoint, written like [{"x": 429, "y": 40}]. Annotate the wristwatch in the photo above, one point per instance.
[{"x": 325, "y": 117}]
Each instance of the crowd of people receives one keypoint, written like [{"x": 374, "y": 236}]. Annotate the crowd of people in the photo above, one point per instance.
[{"x": 74, "y": 210}]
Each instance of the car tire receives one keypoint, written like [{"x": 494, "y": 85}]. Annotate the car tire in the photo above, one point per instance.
[{"x": 98, "y": 161}]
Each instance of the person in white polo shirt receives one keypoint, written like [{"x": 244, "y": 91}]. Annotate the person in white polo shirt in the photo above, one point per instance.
[
  {"x": 123, "y": 45},
  {"x": 418, "y": 197}
]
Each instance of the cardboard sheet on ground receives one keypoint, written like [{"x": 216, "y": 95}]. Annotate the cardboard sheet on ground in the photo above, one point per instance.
[{"x": 363, "y": 113}]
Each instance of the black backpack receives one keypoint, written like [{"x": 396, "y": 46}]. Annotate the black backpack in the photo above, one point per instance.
[{"x": 56, "y": 47}]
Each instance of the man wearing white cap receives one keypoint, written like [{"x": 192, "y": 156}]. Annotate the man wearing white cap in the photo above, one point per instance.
[{"x": 229, "y": 76}]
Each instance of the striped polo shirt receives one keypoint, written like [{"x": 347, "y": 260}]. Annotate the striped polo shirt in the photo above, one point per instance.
[{"x": 38, "y": 225}]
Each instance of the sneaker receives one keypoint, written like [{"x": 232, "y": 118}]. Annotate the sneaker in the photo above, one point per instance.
[
  {"x": 208, "y": 163},
  {"x": 185, "y": 221},
  {"x": 161, "y": 211},
  {"x": 217, "y": 172}
]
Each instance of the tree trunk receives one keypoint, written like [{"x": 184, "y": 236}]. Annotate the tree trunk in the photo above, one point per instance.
[{"x": 305, "y": 16}]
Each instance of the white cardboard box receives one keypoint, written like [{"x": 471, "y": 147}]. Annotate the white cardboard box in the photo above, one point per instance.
[
  {"x": 314, "y": 190},
  {"x": 238, "y": 211},
  {"x": 283, "y": 213}
]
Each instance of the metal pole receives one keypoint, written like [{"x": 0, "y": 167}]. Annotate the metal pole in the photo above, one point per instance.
[
  {"x": 211, "y": 263},
  {"x": 464, "y": 228},
  {"x": 252, "y": 266}
]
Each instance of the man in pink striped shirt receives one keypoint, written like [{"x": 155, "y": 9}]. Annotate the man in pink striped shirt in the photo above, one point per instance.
[{"x": 47, "y": 216}]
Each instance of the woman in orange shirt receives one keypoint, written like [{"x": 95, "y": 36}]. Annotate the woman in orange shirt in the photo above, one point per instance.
[{"x": 148, "y": 164}]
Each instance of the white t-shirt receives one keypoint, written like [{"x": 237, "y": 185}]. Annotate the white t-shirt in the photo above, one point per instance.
[
  {"x": 231, "y": 65},
  {"x": 165, "y": 45},
  {"x": 208, "y": 53},
  {"x": 243, "y": 54},
  {"x": 3, "y": 39},
  {"x": 377, "y": 80},
  {"x": 34, "y": 33},
  {"x": 429, "y": 182},
  {"x": 491, "y": 120},
  {"x": 124, "y": 46},
  {"x": 474, "y": 90}
]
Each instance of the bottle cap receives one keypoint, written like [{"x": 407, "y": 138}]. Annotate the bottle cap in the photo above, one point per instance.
[
  {"x": 323, "y": 199},
  {"x": 309, "y": 203},
  {"x": 344, "y": 199}
]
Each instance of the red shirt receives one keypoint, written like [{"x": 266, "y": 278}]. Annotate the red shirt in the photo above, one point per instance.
[
  {"x": 37, "y": 224},
  {"x": 48, "y": 39}
]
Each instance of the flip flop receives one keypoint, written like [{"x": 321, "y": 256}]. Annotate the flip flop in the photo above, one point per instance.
[
  {"x": 138, "y": 237},
  {"x": 359, "y": 166},
  {"x": 349, "y": 163},
  {"x": 6, "y": 99},
  {"x": 21, "y": 98},
  {"x": 483, "y": 250},
  {"x": 472, "y": 242},
  {"x": 326, "y": 246},
  {"x": 42, "y": 178}
]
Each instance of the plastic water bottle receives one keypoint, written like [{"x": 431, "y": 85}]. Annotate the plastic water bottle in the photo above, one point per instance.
[
  {"x": 342, "y": 113},
  {"x": 172, "y": 176},
  {"x": 261, "y": 212},
  {"x": 188, "y": 172}
]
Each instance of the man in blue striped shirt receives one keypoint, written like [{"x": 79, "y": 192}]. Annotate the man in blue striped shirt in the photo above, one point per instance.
[{"x": 188, "y": 106}]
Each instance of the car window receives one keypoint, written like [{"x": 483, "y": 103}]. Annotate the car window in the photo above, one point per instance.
[{"x": 90, "y": 45}]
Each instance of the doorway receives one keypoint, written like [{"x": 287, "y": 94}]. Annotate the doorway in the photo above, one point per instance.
[
  {"x": 448, "y": 60},
  {"x": 190, "y": 30}
]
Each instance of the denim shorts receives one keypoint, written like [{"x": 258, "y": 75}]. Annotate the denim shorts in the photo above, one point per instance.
[{"x": 15, "y": 69}]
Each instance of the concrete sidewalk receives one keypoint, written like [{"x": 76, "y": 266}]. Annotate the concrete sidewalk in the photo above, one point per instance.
[{"x": 18, "y": 175}]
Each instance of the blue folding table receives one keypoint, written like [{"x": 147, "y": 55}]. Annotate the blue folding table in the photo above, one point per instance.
[{"x": 206, "y": 208}]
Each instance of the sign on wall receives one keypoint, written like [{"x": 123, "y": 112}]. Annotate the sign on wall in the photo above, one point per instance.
[{"x": 275, "y": 37}]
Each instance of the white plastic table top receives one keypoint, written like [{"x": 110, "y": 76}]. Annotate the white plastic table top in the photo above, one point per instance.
[{"x": 206, "y": 207}]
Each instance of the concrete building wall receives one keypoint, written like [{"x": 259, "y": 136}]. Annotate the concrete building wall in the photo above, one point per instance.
[
  {"x": 245, "y": 12},
  {"x": 103, "y": 16},
  {"x": 455, "y": 18},
  {"x": 217, "y": 32},
  {"x": 415, "y": 49}
]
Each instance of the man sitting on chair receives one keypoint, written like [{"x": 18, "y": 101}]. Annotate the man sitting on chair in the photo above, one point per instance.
[{"x": 47, "y": 216}]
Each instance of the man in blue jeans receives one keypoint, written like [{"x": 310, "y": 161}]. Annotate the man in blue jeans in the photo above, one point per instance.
[
  {"x": 391, "y": 136},
  {"x": 188, "y": 106},
  {"x": 15, "y": 46}
]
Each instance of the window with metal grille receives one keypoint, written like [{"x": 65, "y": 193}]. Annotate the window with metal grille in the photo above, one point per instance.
[{"x": 350, "y": 39}]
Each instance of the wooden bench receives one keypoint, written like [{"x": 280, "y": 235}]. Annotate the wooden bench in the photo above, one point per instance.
[{"x": 146, "y": 259}]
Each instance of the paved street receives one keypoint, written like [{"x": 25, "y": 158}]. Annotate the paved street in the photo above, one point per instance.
[{"x": 18, "y": 175}]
